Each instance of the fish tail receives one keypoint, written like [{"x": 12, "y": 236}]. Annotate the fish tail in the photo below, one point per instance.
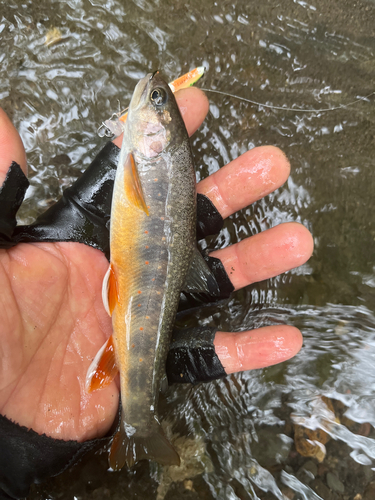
[{"x": 129, "y": 447}]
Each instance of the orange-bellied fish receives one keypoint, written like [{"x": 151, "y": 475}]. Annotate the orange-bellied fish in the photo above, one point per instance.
[{"x": 153, "y": 257}]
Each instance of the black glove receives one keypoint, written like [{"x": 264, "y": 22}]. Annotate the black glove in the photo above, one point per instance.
[{"x": 83, "y": 215}]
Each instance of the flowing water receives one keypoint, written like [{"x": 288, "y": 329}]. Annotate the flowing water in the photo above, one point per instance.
[{"x": 244, "y": 437}]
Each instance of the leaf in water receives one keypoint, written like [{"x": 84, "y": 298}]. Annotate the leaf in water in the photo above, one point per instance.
[{"x": 53, "y": 36}]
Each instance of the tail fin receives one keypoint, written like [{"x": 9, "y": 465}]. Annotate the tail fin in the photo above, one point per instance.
[{"x": 128, "y": 447}]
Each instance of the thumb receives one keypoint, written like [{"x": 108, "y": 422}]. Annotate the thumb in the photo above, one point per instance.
[{"x": 11, "y": 147}]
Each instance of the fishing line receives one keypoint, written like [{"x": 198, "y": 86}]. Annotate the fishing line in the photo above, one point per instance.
[
  {"x": 342, "y": 106},
  {"x": 104, "y": 129}
]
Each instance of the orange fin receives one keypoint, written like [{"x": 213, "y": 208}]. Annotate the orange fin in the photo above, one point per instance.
[
  {"x": 128, "y": 447},
  {"x": 133, "y": 187},
  {"x": 110, "y": 294},
  {"x": 103, "y": 369}
]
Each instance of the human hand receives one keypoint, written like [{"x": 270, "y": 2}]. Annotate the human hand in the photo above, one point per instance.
[{"x": 53, "y": 321}]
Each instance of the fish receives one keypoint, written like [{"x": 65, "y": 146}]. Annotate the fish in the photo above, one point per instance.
[{"x": 153, "y": 256}]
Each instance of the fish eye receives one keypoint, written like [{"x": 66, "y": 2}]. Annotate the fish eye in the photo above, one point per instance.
[{"x": 159, "y": 96}]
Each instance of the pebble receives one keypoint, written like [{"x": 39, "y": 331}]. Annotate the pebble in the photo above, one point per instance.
[
  {"x": 369, "y": 493},
  {"x": 272, "y": 448},
  {"x": 321, "y": 489},
  {"x": 288, "y": 493},
  {"x": 307, "y": 472},
  {"x": 334, "y": 483},
  {"x": 311, "y": 467},
  {"x": 188, "y": 483}
]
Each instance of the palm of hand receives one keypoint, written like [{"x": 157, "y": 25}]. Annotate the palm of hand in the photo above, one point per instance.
[{"x": 52, "y": 324}]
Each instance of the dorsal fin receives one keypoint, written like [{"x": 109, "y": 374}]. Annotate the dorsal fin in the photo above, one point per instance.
[
  {"x": 133, "y": 186},
  {"x": 103, "y": 368}
]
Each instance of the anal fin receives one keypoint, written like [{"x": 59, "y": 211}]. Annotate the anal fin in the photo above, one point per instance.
[{"x": 103, "y": 368}]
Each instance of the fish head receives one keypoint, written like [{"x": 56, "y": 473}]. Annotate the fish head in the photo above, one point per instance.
[{"x": 153, "y": 116}]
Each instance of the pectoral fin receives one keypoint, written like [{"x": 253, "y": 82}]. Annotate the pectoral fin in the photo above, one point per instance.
[
  {"x": 103, "y": 369},
  {"x": 133, "y": 186},
  {"x": 199, "y": 277}
]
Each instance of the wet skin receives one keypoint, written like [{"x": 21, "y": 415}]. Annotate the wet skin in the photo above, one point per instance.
[{"x": 53, "y": 321}]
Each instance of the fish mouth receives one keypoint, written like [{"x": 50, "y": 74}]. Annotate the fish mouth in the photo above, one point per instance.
[{"x": 141, "y": 90}]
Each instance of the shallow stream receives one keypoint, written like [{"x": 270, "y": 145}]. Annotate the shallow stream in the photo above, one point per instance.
[{"x": 243, "y": 437}]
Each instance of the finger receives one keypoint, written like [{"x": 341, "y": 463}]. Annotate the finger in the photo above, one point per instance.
[
  {"x": 267, "y": 254},
  {"x": 11, "y": 147},
  {"x": 193, "y": 105},
  {"x": 246, "y": 179},
  {"x": 257, "y": 348}
]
